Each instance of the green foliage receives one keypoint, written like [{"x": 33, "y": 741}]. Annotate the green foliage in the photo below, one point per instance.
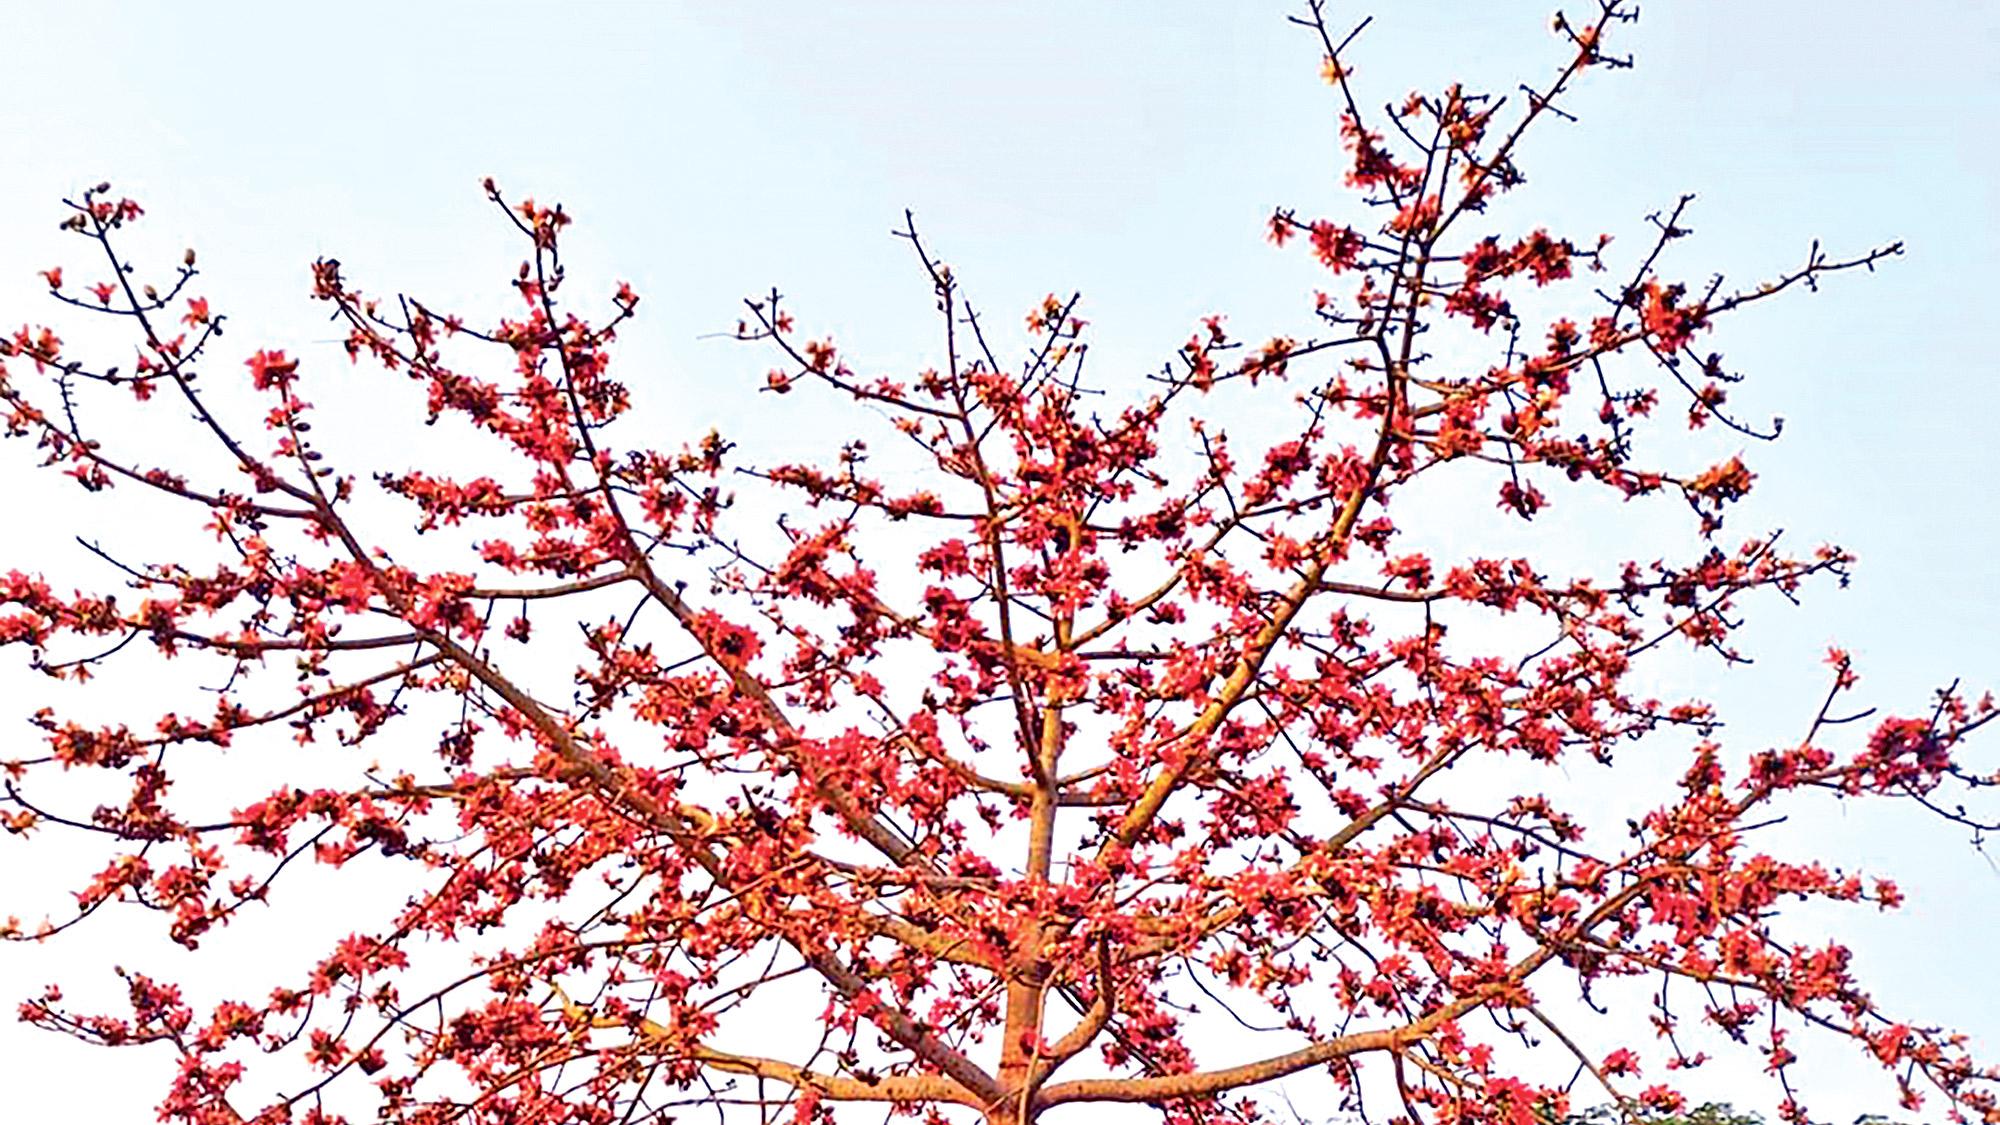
[{"x": 1711, "y": 1113}]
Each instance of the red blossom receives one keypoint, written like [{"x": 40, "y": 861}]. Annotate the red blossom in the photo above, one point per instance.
[
  {"x": 1035, "y": 726},
  {"x": 271, "y": 369}
]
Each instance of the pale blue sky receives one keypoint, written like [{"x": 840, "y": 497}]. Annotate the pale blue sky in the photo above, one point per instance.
[{"x": 1129, "y": 150}]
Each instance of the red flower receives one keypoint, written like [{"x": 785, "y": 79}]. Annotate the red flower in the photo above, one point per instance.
[{"x": 271, "y": 369}]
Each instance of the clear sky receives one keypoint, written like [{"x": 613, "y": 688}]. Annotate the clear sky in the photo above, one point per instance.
[{"x": 1128, "y": 150}]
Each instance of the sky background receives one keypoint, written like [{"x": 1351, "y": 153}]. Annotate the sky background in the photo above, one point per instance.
[{"x": 1130, "y": 151}]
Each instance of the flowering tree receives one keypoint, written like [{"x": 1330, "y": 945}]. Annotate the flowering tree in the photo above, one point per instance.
[{"x": 1098, "y": 742}]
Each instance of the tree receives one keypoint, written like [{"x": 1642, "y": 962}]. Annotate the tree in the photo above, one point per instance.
[
  {"x": 1030, "y": 755},
  {"x": 1708, "y": 1113}
]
